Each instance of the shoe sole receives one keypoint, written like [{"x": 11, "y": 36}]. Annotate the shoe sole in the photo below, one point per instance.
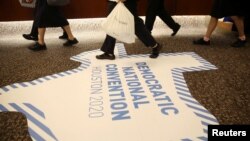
[{"x": 105, "y": 58}]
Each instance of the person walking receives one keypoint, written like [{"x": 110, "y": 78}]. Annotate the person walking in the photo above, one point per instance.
[
  {"x": 225, "y": 8},
  {"x": 33, "y": 35},
  {"x": 50, "y": 16},
  {"x": 156, "y": 8},
  {"x": 140, "y": 30}
]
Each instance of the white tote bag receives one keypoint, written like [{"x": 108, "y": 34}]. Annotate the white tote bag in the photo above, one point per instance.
[
  {"x": 120, "y": 24},
  {"x": 29, "y": 5}
]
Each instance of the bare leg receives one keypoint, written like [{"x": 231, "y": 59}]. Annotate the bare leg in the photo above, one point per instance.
[
  {"x": 69, "y": 33},
  {"x": 239, "y": 23},
  {"x": 210, "y": 28},
  {"x": 71, "y": 39},
  {"x": 40, "y": 44},
  {"x": 41, "y": 33}
]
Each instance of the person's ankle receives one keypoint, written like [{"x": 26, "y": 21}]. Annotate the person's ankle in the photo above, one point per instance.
[
  {"x": 206, "y": 39},
  {"x": 242, "y": 38},
  {"x": 71, "y": 38},
  {"x": 41, "y": 43}
]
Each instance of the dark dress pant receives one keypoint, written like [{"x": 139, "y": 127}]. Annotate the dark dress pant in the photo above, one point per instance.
[
  {"x": 156, "y": 8},
  {"x": 140, "y": 30}
]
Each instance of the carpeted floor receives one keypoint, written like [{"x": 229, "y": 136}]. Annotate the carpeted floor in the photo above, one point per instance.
[{"x": 225, "y": 92}]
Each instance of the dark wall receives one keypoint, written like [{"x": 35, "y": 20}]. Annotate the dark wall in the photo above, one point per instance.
[
  {"x": 10, "y": 10},
  {"x": 192, "y": 7}
]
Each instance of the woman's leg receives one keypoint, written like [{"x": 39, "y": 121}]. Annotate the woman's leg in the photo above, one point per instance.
[
  {"x": 71, "y": 39},
  {"x": 41, "y": 34},
  {"x": 40, "y": 44},
  {"x": 239, "y": 23},
  {"x": 69, "y": 32},
  {"x": 210, "y": 28}
]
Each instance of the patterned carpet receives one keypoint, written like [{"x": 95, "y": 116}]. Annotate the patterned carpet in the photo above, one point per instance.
[{"x": 224, "y": 92}]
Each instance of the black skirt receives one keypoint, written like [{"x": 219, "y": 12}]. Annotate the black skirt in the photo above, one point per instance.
[
  {"x": 224, "y": 8},
  {"x": 49, "y": 16}
]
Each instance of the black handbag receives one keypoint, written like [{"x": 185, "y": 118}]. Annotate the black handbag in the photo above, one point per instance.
[
  {"x": 27, "y": 4},
  {"x": 58, "y": 2}
]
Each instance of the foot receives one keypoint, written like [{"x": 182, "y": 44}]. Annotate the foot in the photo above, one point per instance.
[
  {"x": 155, "y": 51},
  {"x": 201, "y": 41},
  {"x": 38, "y": 47},
  {"x": 71, "y": 42},
  {"x": 30, "y": 37},
  {"x": 239, "y": 43},
  {"x": 64, "y": 36},
  {"x": 175, "y": 30},
  {"x": 106, "y": 56}
]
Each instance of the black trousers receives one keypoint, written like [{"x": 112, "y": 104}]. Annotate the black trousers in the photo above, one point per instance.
[
  {"x": 156, "y": 8},
  {"x": 34, "y": 29},
  {"x": 140, "y": 30}
]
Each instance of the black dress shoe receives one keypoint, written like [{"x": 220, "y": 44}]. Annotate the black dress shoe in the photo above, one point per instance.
[
  {"x": 38, "y": 47},
  {"x": 106, "y": 56},
  {"x": 64, "y": 36},
  {"x": 239, "y": 43},
  {"x": 201, "y": 41},
  {"x": 70, "y": 42},
  {"x": 30, "y": 37},
  {"x": 155, "y": 51},
  {"x": 176, "y": 29}
]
